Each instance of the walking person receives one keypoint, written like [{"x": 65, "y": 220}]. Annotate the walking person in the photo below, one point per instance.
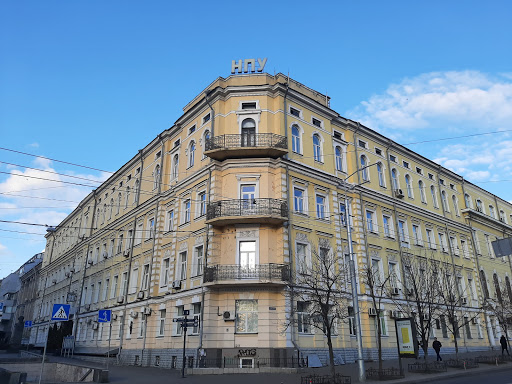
[
  {"x": 437, "y": 347},
  {"x": 504, "y": 347}
]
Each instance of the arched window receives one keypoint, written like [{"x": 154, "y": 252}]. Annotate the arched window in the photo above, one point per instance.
[
  {"x": 502, "y": 216},
  {"x": 127, "y": 200},
  {"x": 408, "y": 186},
  {"x": 295, "y": 139},
  {"x": 248, "y": 133},
  {"x": 434, "y": 197},
  {"x": 444, "y": 201},
  {"x": 175, "y": 163},
  {"x": 119, "y": 197},
  {"x": 191, "y": 153},
  {"x": 206, "y": 140},
  {"x": 479, "y": 206},
  {"x": 339, "y": 159},
  {"x": 455, "y": 205},
  {"x": 111, "y": 208},
  {"x": 483, "y": 280},
  {"x": 136, "y": 192},
  {"x": 497, "y": 288},
  {"x": 467, "y": 200},
  {"x": 380, "y": 173},
  {"x": 317, "y": 152},
  {"x": 104, "y": 212},
  {"x": 364, "y": 170},
  {"x": 491, "y": 212},
  {"x": 394, "y": 179},
  {"x": 156, "y": 177},
  {"x": 423, "y": 196}
]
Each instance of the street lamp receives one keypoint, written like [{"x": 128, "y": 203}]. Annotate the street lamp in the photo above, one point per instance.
[{"x": 355, "y": 298}]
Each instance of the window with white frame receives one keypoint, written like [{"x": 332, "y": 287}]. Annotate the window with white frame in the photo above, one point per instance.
[
  {"x": 182, "y": 266},
  {"x": 489, "y": 246},
  {"x": 380, "y": 173},
  {"x": 301, "y": 252},
  {"x": 393, "y": 275},
  {"x": 206, "y": 140},
  {"x": 134, "y": 280},
  {"x": 127, "y": 200},
  {"x": 136, "y": 192},
  {"x": 423, "y": 196},
  {"x": 338, "y": 155},
  {"x": 321, "y": 207},
  {"x": 444, "y": 201},
  {"x": 364, "y": 169},
  {"x": 247, "y": 254},
  {"x": 246, "y": 320},
  {"x": 113, "y": 291},
  {"x": 442, "y": 242},
  {"x": 491, "y": 212},
  {"x": 166, "y": 264},
  {"x": 151, "y": 228},
  {"x": 138, "y": 233},
  {"x": 111, "y": 248},
  {"x": 371, "y": 225},
  {"x": 303, "y": 318},
  {"x": 145, "y": 277},
  {"x": 175, "y": 166},
  {"x": 434, "y": 196},
  {"x": 394, "y": 179},
  {"x": 383, "y": 325},
  {"x": 479, "y": 206},
  {"x": 196, "y": 315},
  {"x": 170, "y": 220},
  {"x": 502, "y": 216},
  {"x": 202, "y": 203},
  {"x": 156, "y": 177},
  {"x": 299, "y": 200},
  {"x": 387, "y": 226},
  {"x": 416, "y": 232},
  {"x": 191, "y": 153},
  {"x": 106, "y": 289},
  {"x": 453, "y": 244},
  {"x": 296, "y": 139},
  {"x": 198, "y": 260},
  {"x": 376, "y": 272},
  {"x": 343, "y": 214},
  {"x": 129, "y": 239},
  {"x": 186, "y": 211},
  {"x": 408, "y": 185},
  {"x": 179, "y": 315},
  {"x": 464, "y": 247},
  {"x": 111, "y": 209},
  {"x": 403, "y": 233},
  {"x": 317, "y": 148},
  {"x": 161, "y": 322},
  {"x": 455, "y": 205},
  {"x": 467, "y": 200},
  {"x": 430, "y": 238}
]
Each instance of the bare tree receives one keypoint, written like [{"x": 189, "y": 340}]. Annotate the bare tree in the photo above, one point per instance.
[
  {"x": 500, "y": 305},
  {"x": 453, "y": 301},
  {"x": 320, "y": 288},
  {"x": 377, "y": 290},
  {"x": 419, "y": 295}
]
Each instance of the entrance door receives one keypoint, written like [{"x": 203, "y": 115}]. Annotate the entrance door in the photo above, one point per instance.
[
  {"x": 248, "y": 133},
  {"x": 247, "y": 253},
  {"x": 248, "y": 198}
]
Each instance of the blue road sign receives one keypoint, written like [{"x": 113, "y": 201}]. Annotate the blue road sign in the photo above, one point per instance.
[
  {"x": 28, "y": 323},
  {"x": 104, "y": 315},
  {"x": 60, "y": 312},
  {"x": 1, "y": 306}
]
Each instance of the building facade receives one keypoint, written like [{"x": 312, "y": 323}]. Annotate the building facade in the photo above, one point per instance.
[{"x": 215, "y": 213}]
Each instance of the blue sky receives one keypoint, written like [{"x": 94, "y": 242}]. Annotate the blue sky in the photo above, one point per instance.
[{"x": 76, "y": 77}]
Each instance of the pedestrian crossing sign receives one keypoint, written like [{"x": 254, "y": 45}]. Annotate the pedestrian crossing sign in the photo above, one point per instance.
[
  {"x": 104, "y": 315},
  {"x": 60, "y": 312}
]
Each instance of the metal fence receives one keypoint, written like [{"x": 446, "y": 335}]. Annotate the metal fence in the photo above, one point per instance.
[
  {"x": 432, "y": 367},
  {"x": 247, "y": 207},
  {"x": 258, "y": 362},
  {"x": 279, "y": 272},
  {"x": 326, "y": 379},
  {"x": 261, "y": 140},
  {"x": 384, "y": 374}
]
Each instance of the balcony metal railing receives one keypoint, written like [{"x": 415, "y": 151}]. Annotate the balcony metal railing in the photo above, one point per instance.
[
  {"x": 252, "y": 207},
  {"x": 279, "y": 272},
  {"x": 255, "y": 140}
]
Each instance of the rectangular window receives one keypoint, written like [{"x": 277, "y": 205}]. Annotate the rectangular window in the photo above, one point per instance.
[
  {"x": 442, "y": 242},
  {"x": 249, "y": 105},
  {"x": 145, "y": 277},
  {"x": 392, "y": 158},
  {"x": 404, "y": 236},
  {"x": 370, "y": 224},
  {"x": 182, "y": 272},
  {"x": 316, "y": 122},
  {"x": 202, "y": 204},
  {"x": 111, "y": 248},
  {"x": 192, "y": 129},
  {"x": 406, "y": 164},
  {"x": 196, "y": 314},
  {"x": 443, "y": 327},
  {"x": 298, "y": 200},
  {"x": 134, "y": 280},
  {"x": 98, "y": 293},
  {"x": 453, "y": 244},
  {"x": 464, "y": 247},
  {"x": 186, "y": 211},
  {"x": 170, "y": 220},
  {"x": 300, "y": 251},
  {"x": 393, "y": 275},
  {"x": 343, "y": 214},
  {"x": 351, "y": 321},
  {"x": 388, "y": 229},
  {"x": 105, "y": 291},
  {"x": 161, "y": 323},
  {"x": 141, "y": 326},
  {"x": 120, "y": 244},
  {"x": 419, "y": 170},
  {"x": 303, "y": 319},
  {"x": 295, "y": 112},
  {"x": 246, "y": 316},
  {"x": 206, "y": 118},
  {"x": 113, "y": 292},
  {"x": 416, "y": 232},
  {"x": 151, "y": 229},
  {"x": 198, "y": 261},
  {"x": 378, "y": 151},
  {"x": 430, "y": 239},
  {"x": 362, "y": 144},
  {"x": 165, "y": 272},
  {"x": 376, "y": 273},
  {"x": 138, "y": 233},
  {"x": 383, "y": 327},
  {"x": 124, "y": 283},
  {"x": 179, "y": 310},
  {"x": 320, "y": 207}
]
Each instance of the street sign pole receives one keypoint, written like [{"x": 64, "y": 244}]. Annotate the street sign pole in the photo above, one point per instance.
[
  {"x": 184, "y": 342},
  {"x": 109, "y": 337},
  {"x": 44, "y": 352}
]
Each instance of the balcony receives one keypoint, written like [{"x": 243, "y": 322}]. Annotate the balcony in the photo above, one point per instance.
[
  {"x": 234, "y": 274},
  {"x": 240, "y": 211},
  {"x": 248, "y": 145}
]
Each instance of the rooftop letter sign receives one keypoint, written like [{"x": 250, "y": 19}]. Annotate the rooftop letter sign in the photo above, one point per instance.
[{"x": 248, "y": 65}]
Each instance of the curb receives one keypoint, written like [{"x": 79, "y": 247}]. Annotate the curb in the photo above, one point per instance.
[{"x": 443, "y": 376}]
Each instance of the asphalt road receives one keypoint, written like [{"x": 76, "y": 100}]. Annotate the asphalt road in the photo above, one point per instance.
[{"x": 503, "y": 377}]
